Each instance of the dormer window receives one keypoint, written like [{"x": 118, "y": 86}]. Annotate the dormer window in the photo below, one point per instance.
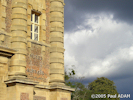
[{"x": 35, "y": 26}]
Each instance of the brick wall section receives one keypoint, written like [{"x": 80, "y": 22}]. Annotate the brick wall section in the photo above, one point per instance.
[
  {"x": 37, "y": 68},
  {"x": 24, "y": 96},
  {"x": 8, "y": 15},
  {"x": 47, "y": 21},
  {"x": 47, "y": 52}
]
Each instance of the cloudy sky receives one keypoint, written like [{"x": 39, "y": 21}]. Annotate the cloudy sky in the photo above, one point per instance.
[{"x": 99, "y": 40}]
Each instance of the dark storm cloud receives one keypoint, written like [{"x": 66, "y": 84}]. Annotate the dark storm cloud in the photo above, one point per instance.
[
  {"x": 76, "y": 10},
  {"x": 100, "y": 47}
]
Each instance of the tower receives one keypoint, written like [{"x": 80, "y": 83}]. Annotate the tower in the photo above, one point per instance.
[{"x": 32, "y": 50}]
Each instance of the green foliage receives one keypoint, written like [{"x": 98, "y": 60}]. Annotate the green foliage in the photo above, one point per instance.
[
  {"x": 69, "y": 75},
  {"x": 103, "y": 86},
  {"x": 81, "y": 92},
  {"x": 99, "y": 86}
]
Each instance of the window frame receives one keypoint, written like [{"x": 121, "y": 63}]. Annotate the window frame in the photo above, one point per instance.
[{"x": 33, "y": 24}]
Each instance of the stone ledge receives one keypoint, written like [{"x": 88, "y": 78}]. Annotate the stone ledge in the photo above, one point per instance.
[
  {"x": 37, "y": 85},
  {"x": 6, "y": 52},
  {"x": 63, "y": 87},
  {"x": 57, "y": 80},
  {"x": 20, "y": 80},
  {"x": 42, "y": 86},
  {"x": 39, "y": 43},
  {"x": 50, "y": 87},
  {"x": 62, "y": 1}
]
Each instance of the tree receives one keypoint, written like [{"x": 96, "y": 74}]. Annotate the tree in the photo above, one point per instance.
[
  {"x": 81, "y": 92},
  {"x": 69, "y": 75},
  {"x": 99, "y": 86},
  {"x": 103, "y": 86}
]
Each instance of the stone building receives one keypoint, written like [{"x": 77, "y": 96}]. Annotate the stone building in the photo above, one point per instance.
[{"x": 32, "y": 50}]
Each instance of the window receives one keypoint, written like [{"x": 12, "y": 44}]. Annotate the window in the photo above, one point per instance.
[{"x": 35, "y": 27}]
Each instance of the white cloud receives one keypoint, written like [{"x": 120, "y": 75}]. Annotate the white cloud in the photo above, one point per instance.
[{"x": 105, "y": 51}]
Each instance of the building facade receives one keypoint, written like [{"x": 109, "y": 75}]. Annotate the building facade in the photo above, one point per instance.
[{"x": 32, "y": 50}]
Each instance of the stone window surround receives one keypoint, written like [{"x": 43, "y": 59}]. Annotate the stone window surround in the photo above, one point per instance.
[{"x": 40, "y": 9}]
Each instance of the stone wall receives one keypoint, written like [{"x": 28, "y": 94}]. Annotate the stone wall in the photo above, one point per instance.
[
  {"x": 3, "y": 76},
  {"x": 32, "y": 70}
]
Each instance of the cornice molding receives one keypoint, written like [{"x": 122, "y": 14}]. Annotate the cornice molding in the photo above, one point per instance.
[{"x": 7, "y": 52}]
